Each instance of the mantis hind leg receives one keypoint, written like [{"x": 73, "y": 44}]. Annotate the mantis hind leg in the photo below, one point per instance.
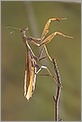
[{"x": 49, "y": 72}]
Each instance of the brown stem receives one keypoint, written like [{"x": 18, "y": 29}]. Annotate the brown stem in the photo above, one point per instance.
[{"x": 57, "y": 97}]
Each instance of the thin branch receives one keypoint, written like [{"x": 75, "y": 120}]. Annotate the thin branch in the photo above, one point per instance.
[{"x": 57, "y": 97}]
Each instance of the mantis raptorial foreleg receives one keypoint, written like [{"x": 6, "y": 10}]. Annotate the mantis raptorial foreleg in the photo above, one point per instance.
[
  {"x": 46, "y": 27},
  {"x": 50, "y": 37}
]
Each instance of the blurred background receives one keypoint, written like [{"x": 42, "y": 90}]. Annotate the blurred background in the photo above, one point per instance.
[{"x": 14, "y": 107}]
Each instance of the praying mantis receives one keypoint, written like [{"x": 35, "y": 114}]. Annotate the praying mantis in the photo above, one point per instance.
[{"x": 32, "y": 68}]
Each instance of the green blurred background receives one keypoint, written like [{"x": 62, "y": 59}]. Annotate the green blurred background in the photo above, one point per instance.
[{"x": 67, "y": 52}]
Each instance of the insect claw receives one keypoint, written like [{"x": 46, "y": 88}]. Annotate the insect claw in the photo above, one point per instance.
[
  {"x": 63, "y": 18},
  {"x": 59, "y": 19},
  {"x": 68, "y": 36}
]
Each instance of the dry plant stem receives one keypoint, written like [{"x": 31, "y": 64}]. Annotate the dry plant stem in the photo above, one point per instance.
[{"x": 57, "y": 97}]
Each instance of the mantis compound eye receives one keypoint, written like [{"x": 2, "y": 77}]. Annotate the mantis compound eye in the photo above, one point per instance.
[{"x": 24, "y": 30}]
